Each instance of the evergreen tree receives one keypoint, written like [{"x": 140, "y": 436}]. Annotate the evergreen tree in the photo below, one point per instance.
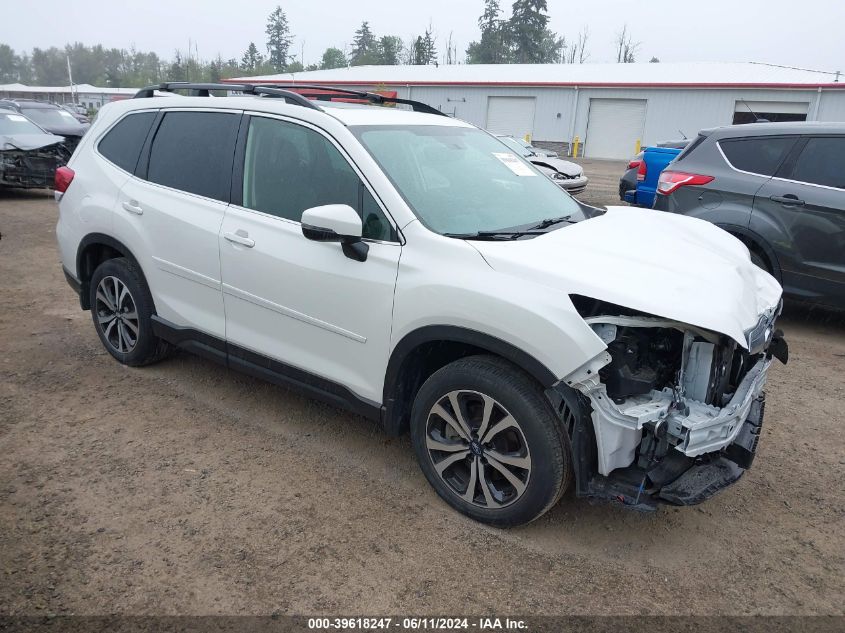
[
  {"x": 492, "y": 48},
  {"x": 530, "y": 37},
  {"x": 252, "y": 59},
  {"x": 364, "y": 48},
  {"x": 424, "y": 51},
  {"x": 278, "y": 39}
]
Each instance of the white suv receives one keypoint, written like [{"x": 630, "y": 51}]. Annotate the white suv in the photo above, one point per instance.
[{"x": 407, "y": 266}]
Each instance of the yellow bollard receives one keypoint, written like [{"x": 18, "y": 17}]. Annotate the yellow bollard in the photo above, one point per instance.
[
  {"x": 575, "y": 145},
  {"x": 638, "y": 147},
  {"x": 527, "y": 137}
]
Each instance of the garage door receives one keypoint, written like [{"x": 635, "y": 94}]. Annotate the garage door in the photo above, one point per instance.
[
  {"x": 511, "y": 115},
  {"x": 614, "y": 127}
]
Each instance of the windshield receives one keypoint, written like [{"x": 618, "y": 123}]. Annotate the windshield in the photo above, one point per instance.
[
  {"x": 463, "y": 181},
  {"x": 49, "y": 116},
  {"x": 13, "y": 123}
]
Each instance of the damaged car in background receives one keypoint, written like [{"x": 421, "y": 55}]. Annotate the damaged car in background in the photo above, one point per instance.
[{"x": 29, "y": 156}]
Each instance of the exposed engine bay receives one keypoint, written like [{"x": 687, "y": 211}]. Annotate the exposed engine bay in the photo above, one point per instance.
[
  {"x": 32, "y": 168},
  {"x": 676, "y": 411}
]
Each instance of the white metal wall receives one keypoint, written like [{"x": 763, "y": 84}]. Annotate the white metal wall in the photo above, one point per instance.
[{"x": 670, "y": 112}]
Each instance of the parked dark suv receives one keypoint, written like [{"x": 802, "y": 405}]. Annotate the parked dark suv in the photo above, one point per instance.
[{"x": 778, "y": 187}]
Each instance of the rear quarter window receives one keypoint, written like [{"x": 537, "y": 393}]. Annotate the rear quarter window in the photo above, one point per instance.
[
  {"x": 821, "y": 162},
  {"x": 760, "y": 155},
  {"x": 122, "y": 144}
]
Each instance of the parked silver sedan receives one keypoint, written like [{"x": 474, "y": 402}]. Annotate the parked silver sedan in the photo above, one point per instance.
[{"x": 567, "y": 175}]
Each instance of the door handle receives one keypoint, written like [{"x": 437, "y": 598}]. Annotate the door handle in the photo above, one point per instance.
[
  {"x": 240, "y": 237},
  {"x": 788, "y": 200},
  {"x": 133, "y": 207}
]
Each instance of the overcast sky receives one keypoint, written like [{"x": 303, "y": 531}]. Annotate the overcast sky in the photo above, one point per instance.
[{"x": 806, "y": 33}]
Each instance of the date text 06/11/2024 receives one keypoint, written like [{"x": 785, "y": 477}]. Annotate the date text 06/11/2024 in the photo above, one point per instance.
[{"x": 416, "y": 624}]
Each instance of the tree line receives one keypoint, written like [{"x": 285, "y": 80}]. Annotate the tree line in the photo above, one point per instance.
[{"x": 523, "y": 37}]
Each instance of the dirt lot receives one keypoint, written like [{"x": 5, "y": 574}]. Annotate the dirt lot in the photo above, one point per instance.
[{"x": 185, "y": 488}]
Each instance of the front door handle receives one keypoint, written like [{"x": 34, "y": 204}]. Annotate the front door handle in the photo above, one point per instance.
[
  {"x": 240, "y": 237},
  {"x": 788, "y": 200},
  {"x": 133, "y": 207}
]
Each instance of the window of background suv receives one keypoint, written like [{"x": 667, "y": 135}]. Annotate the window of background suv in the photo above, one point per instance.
[
  {"x": 759, "y": 155},
  {"x": 194, "y": 152},
  {"x": 289, "y": 168},
  {"x": 820, "y": 162},
  {"x": 122, "y": 144}
]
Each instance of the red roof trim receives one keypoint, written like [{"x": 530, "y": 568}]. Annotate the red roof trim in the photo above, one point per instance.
[{"x": 551, "y": 84}]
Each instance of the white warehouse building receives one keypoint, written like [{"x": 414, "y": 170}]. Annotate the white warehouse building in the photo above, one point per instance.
[{"x": 608, "y": 108}]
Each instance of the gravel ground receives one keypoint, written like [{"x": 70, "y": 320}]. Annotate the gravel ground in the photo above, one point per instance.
[{"x": 184, "y": 488}]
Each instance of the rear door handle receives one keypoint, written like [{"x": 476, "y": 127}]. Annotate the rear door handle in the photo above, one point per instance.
[
  {"x": 788, "y": 200},
  {"x": 133, "y": 207},
  {"x": 240, "y": 237}
]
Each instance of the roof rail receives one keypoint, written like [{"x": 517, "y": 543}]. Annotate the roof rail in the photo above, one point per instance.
[
  {"x": 202, "y": 90},
  {"x": 326, "y": 93}
]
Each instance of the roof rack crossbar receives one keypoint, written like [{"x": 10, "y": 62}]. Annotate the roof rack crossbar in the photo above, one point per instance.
[
  {"x": 331, "y": 92},
  {"x": 326, "y": 93},
  {"x": 202, "y": 90}
]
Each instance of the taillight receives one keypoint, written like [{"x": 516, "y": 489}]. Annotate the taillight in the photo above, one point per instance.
[
  {"x": 642, "y": 170},
  {"x": 634, "y": 163},
  {"x": 64, "y": 176},
  {"x": 670, "y": 181}
]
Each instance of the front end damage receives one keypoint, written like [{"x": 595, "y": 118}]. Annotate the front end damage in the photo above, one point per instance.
[
  {"x": 668, "y": 412},
  {"x": 22, "y": 165}
]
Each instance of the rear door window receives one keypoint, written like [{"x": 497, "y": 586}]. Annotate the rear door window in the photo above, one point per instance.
[
  {"x": 821, "y": 162},
  {"x": 194, "y": 151},
  {"x": 760, "y": 155},
  {"x": 122, "y": 144}
]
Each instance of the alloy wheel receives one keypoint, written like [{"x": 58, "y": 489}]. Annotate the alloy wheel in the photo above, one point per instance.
[
  {"x": 478, "y": 449},
  {"x": 117, "y": 315}
]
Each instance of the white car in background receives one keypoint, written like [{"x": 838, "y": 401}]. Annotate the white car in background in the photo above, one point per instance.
[
  {"x": 567, "y": 175},
  {"x": 409, "y": 267}
]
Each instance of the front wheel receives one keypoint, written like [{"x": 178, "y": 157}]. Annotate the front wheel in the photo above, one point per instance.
[{"x": 489, "y": 443}]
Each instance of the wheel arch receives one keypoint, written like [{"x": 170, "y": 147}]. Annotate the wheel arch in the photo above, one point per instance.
[
  {"x": 93, "y": 250},
  {"x": 425, "y": 350},
  {"x": 754, "y": 241}
]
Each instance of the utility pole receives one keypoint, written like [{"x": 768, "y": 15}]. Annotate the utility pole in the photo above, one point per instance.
[{"x": 70, "y": 79}]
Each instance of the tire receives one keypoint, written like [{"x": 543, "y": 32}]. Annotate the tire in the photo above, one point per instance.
[
  {"x": 121, "y": 307},
  {"x": 530, "y": 437}
]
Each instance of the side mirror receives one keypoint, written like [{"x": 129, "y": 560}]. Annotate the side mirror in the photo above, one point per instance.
[{"x": 336, "y": 223}]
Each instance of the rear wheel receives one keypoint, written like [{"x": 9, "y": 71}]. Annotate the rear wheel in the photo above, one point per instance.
[
  {"x": 489, "y": 442},
  {"x": 122, "y": 307}
]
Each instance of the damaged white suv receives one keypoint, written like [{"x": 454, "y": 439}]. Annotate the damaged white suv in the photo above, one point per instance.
[{"x": 407, "y": 266}]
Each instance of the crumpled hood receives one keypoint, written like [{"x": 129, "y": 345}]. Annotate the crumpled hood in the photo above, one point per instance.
[
  {"x": 28, "y": 142},
  {"x": 563, "y": 166},
  {"x": 667, "y": 265}
]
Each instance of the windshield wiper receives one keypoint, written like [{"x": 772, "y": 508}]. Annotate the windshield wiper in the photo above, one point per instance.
[
  {"x": 544, "y": 224},
  {"x": 493, "y": 235}
]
